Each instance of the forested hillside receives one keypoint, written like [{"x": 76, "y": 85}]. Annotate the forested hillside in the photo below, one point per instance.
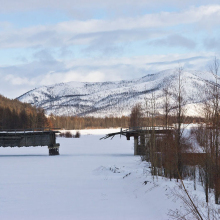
[{"x": 17, "y": 115}]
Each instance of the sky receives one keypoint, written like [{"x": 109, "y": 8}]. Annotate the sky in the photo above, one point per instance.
[{"x": 43, "y": 42}]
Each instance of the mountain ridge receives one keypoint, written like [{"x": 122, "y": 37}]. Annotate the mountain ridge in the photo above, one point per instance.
[{"x": 116, "y": 98}]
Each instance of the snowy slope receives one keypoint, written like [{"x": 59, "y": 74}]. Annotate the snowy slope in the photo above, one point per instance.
[{"x": 112, "y": 98}]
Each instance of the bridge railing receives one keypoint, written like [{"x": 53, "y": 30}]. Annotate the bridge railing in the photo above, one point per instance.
[
  {"x": 150, "y": 128},
  {"x": 44, "y": 129}
]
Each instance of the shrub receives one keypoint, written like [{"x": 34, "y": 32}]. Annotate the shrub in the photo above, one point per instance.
[
  {"x": 68, "y": 134},
  {"x": 77, "y": 134},
  {"x": 61, "y": 134}
]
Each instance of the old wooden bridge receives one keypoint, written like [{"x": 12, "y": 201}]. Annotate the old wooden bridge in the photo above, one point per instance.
[
  {"x": 28, "y": 138},
  {"x": 141, "y": 135}
]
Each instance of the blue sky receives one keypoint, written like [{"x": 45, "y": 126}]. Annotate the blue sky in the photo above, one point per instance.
[{"x": 47, "y": 42}]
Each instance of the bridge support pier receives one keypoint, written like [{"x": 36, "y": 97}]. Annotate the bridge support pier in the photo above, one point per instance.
[
  {"x": 54, "y": 150},
  {"x": 135, "y": 145},
  {"x": 139, "y": 144}
]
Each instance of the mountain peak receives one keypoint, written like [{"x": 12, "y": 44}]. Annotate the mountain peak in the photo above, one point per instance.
[{"x": 111, "y": 98}]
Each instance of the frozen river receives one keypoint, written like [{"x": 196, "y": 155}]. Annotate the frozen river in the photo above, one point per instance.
[{"x": 91, "y": 179}]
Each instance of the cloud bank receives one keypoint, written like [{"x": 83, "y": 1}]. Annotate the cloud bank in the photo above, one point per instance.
[{"x": 103, "y": 40}]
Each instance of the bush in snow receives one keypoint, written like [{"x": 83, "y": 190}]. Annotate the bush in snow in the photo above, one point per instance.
[
  {"x": 61, "y": 135},
  {"x": 68, "y": 134},
  {"x": 77, "y": 134}
]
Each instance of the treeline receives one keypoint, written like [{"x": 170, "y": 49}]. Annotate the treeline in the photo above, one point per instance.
[
  {"x": 17, "y": 115},
  {"x": 77, "y": 123},
  {"x": 73, "y": 122}
]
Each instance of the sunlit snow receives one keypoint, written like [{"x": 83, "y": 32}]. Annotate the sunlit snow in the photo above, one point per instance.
[{"x": 91, "y": 179}]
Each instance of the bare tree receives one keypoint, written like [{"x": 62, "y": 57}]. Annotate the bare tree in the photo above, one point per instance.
[
  {"x": 179, "y": 112},
  {"x": 193, "y": 208},
  {"x": 214, "y": 69},
  {"x": 167, "y": 106},
  {"x": 136, "y": 119},
  {"x": 208, "y": 135}
]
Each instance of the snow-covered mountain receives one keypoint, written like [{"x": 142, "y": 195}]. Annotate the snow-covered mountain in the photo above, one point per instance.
[{"x": 113, "y": 98}]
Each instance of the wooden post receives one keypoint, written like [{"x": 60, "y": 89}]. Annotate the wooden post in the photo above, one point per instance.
[
  {"x": 135, "y": 145},
  {"x": 54, "y": 150},
  {"x": 142, "y": 147}
]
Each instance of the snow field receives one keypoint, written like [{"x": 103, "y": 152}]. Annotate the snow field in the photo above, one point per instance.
[{"x": 91, "y": 179}]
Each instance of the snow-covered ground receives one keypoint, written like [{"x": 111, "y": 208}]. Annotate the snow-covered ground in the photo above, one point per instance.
[{"x": 91, "y": 179}]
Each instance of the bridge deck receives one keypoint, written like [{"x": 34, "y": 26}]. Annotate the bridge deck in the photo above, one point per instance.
[
  {"x": 137, "y": 131},
  {"x": 30, "y": 138},
  {"x": 141, "y": 132}
]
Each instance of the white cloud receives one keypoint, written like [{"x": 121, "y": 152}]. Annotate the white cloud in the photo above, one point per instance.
[
  {"x": 162, "y": 19},
  {"x": 78, "y": 76},
  {"x": 84, "y": 32},
  {"x": 115, "y": 5},
  {"x": 108, "y": 36},
  {"x": 175, "y": 41},
  {"x": 16, "y": 80}
]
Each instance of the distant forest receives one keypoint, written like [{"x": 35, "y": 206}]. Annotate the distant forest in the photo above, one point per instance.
[
  {"x": 17, "y": 115},
  {"x": 74, "y": 122}
]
